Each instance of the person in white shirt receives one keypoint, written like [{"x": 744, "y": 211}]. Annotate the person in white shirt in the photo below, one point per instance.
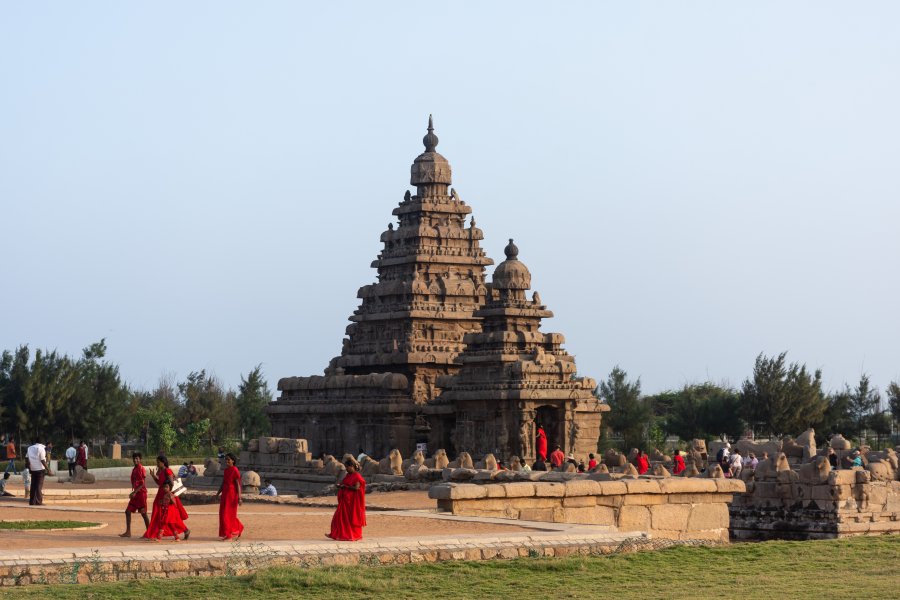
[
  {"x": 70, "y": 458},
  {"x": 736, "y": 464},
  {"x": 39, "y": 466},
  {"x": 269, "y": 490}
]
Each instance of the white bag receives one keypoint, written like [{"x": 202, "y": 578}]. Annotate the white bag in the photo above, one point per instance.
[{"x": 178, "y": 487}]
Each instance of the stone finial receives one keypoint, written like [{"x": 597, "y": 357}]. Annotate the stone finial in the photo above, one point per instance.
[
  {"x": 430, "y": 140},
  {"x": 511, "y": 274},
  {"x": 511, "y": 251}
]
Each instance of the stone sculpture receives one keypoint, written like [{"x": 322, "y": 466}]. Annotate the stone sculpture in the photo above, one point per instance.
[{"x": 393, "y": 464}]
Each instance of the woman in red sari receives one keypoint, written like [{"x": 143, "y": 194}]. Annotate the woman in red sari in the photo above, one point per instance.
[
  {"x": 168, "y": 512},
  {"x": 541, "y": 444},
  {"x": 350, "y": 516},
  {"x": 229, "y": 498}
]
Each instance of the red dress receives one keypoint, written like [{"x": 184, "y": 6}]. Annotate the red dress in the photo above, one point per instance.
[
  {"x": 350, "y": 516},
  {"x": 557, "y": 458},
  {"x": 542, "y": 444},
  {"x": 229, "y": 524},
  {"x": 643, "y": 465},
  {"x": 167, "y": 519},
  {"x": 138, "y": 502},
  {"x": 679, "y": 464}
]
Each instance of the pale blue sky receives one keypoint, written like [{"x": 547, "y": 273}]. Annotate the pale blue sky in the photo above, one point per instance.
[{"x": 204, "y": 184}]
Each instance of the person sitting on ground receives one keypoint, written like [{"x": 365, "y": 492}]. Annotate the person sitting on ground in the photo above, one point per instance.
[
  {"x": 192, "y": 470},
  {"x": 557, "y": 457},
  {"x": 539, "y": 465},
  {"x": 581, "y": 467},
  {"x": 857, "y": 459},
  {"x": 268, "y": 489},
  {"x": 592, "y": 462},
  {"x": 362, "y": 456},
  {"x": 3, "y": 482},
  {"x": 751, "y": 462},
  {"x": 183, "y": 470},
  {"x": 525, "y": 467}
]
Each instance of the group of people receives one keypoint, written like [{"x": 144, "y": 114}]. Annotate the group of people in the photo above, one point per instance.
[
  {"x": 77, "y": 455},
  {"x": 168, "y": 514}
]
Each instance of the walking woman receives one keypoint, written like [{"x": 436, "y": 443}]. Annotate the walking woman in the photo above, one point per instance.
[
  {"x": 168, "y": 512},
  {"x": 229, "y": 498},
  {"x": 350, "y": 516}
]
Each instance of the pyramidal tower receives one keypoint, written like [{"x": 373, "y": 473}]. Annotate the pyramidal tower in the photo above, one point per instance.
[{"x": 407, "y": 333}]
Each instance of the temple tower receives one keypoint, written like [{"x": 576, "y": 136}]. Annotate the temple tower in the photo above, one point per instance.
[
  {"x": 513, "y": 377},
  {"x": 407, "y": 332}
]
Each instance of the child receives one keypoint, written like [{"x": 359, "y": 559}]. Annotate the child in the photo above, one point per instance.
[
  {"x": 3, "y": 483},
  {"x": 168, "y": 521},
  {"x": 26, "y": 479}
]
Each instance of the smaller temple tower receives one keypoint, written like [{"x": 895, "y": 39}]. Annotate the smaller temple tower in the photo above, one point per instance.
[{"x": 514, "y": 377}]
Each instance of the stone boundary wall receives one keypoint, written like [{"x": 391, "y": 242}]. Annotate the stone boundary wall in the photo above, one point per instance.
[
  {"x": 812, "y": 504},
  {"x": 108, "y": 566},
  {"x": 672, "y": 508}
]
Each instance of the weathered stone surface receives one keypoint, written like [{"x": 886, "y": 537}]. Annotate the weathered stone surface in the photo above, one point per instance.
[
  {"x": 610, "y": 488},
  {"x": 708, "y": 516},
  {"x": 670, "y": 516},
  {"x": 634, "y": 518},
  {"x": 582, "y": 487},
  {"x": 519, "y": 489},
  {"x": 642, "y": 486}
]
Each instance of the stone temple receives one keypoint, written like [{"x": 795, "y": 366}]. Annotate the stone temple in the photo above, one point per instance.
[{"x": 437, "y": 355}]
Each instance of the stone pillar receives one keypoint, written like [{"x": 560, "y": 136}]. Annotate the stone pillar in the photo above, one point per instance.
[{"x": 115, "y": 451}]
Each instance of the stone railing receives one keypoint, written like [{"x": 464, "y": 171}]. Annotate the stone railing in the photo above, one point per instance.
[{"x": 673, "y": 508}]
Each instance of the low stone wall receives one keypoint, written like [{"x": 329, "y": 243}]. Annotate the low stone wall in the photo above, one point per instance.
[
  {"x": 673, "y": 508},
  {"x": 838, "y": 504}
]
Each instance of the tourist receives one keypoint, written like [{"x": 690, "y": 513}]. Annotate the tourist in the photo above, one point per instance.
[
  {"x": 642, "y": 462},
  {"x": 722, "y": 456},
  {"x": 362, "y": 456},
  {"x": 525, "y": 467},
  {"x": 581, "y": 467},
  {"x": 857, "y": 459},
  {"x": 269, "y": 489},
  {"x": 3, "y": 483},
  {"x": 592, "y": 462},
  {"x": 168, "y": 518},
  {"x": 38, "y": 465},
  {"x": 677, "y": 463},
  {"x": 832, "y": 457},
  {"x": 350, "y": 516},
  {"x": 541, "y": 444},
  {"x": 192, "y": 469},
  {"x": 736, "y": 464},
  {"x": 229, "y": 495},
  {"x": 137, "y": 499},
  {"x": 751, "y": 462},
  {"x": 183, "y": 471},
  {"x": 81, "y": 456},
  {"x": 557, "y": 457},
  {"x": 221, "y": 455},
  {"x": 11, "y": 457},
  {"x": 539, "y": 464},
  {"x": 70, "y": 458}
]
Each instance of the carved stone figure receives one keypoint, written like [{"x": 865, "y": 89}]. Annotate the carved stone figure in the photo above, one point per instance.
[{"x": 393, "y": 464}]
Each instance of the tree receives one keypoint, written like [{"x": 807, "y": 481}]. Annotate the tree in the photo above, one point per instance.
[
  {"x": 252, "y": 398},
  {"x": 783, "y": 398},
  {"x": 705, "y": 411},
  {"x": 893, "y": 394},
  {"x": 836, "y": 418},
  {"x": 203, "y": 397},
  {"x": 629, "y": 414},
  {"x": 862, "y": 402}
]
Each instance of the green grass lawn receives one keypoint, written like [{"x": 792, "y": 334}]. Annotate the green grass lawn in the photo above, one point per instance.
[
  {"x": 851, "y": 568},
  {"x": 44, "y": 524}
]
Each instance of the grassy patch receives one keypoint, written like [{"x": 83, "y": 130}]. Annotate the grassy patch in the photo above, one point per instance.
[
  {"x": 852, "y": 568},
  {"x": 44, "y": 524}
]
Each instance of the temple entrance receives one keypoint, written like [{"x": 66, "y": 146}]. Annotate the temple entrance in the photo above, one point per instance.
[{"x": 551, "y": 418}]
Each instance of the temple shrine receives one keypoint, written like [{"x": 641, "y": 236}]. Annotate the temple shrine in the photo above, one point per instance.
[{"x": 434, "y": 355}]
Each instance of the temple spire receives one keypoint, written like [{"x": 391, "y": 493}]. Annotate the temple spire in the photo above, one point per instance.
[{"x": 430, "y": 140}]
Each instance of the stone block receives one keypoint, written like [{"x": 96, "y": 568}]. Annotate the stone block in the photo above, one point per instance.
[
  {"x": 468, "y": 492},
  {"x": 841, "y": 477},
  {"x": 611, "y": 501},
  {"x": 679, "y": 485},
  {"x": 633, "y": 518},
  {"x": 440, "y": 491},
  {"x": 594, "y": 515},
  {"x": 536, "y": 514},
  {"x": 579, "y": 501},
  {"x": 612, "y": 488},
  {"x": 645, "y": 499},
  {"x": 519, "y": 489},
  {"x": 730, "y": 486},
  {"x": 549, "y": 490},
  {"x": 642, "y": 486},
  {"x": 582, "y": 487},
  {"x": 495, "y": 490},
  {"x": 708, "y": 516},
  {"x": 670, "y": 516}
]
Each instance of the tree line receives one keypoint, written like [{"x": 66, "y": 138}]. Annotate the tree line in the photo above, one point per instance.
[
  {"x": 779, "y": 398},
  {"x": 58, "y": 398}
]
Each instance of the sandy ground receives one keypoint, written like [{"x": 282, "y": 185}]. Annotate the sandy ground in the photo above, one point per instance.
[{"x": 261, "y": 522}]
